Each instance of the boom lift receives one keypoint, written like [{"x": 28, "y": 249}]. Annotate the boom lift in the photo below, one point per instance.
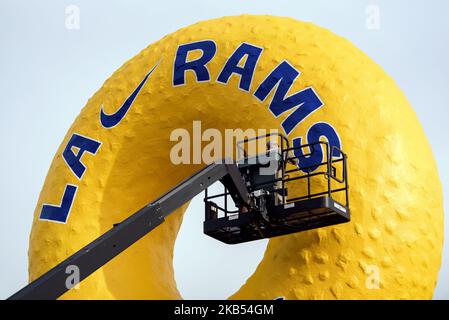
[{"x": 257, "y": 184}]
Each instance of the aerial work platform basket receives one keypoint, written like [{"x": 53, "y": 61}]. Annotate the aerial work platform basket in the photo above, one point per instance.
[{"x": 318, "y": 193}]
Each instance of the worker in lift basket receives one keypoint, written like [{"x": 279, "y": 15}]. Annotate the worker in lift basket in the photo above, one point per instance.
[{"x": 273, "y": 150}]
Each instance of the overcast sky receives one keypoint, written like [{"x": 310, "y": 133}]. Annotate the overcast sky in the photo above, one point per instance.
[{"x": 47, "y": 73}]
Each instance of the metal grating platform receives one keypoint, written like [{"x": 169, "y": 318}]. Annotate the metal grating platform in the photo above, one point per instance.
[{"x": 284, "y": 219}]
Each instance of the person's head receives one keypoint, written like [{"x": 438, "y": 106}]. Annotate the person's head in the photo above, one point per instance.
[{"x": 272, "y": 145}]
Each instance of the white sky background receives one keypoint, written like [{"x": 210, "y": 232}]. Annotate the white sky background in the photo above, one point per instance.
[{"x": 48, "y": 72}]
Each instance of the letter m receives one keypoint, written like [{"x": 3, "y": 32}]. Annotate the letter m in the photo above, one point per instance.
[{"x": 303, "y": 102}]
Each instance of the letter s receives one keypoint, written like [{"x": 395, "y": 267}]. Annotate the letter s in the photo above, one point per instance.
[{"x": 318, "y": 130}]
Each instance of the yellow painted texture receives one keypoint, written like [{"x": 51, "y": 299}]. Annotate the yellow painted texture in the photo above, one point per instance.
[{"x": 395, "y": 191}]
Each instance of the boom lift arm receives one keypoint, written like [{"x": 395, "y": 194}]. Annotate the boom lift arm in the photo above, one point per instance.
[
  {"x": 259, "y": 188},
  {"x": 52, "y": 284}
]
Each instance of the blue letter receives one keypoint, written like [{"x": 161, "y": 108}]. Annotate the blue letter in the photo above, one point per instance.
[
  {"x": 318, "y": 130},
  {"x": 246, "y": 72},
  {"x": 306, "y": 101},
  {"x": 83, "y": 144},
  {"x": 60, "y": 213},
  {"x": 181, "y": 65}
]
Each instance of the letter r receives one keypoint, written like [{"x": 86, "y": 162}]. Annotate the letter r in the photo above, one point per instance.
[{"x": 181, "y": 65}]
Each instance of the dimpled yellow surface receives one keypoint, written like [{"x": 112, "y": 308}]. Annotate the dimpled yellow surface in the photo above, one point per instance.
[{"x": 396, "y": 231}]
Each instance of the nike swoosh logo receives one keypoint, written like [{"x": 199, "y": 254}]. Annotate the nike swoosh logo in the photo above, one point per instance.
[{"x": 111, "y": 120}]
